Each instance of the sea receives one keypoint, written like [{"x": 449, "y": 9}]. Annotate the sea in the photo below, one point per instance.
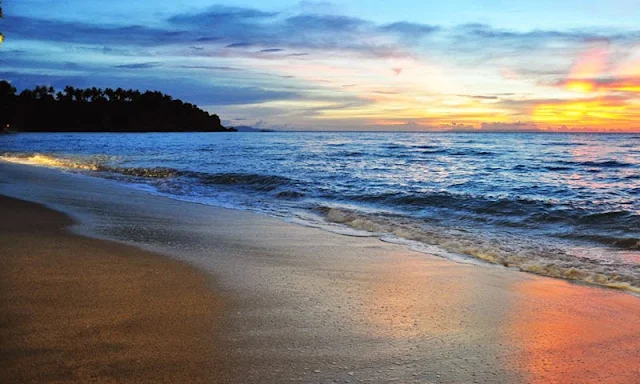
[{"x": 559, "y": 205}]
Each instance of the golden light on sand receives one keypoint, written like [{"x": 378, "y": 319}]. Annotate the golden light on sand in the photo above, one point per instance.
[{"x": 563, "y": 346}]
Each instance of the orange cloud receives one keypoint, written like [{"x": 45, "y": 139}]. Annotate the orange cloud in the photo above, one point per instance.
[
  {"x": 613, "y": 102},
  {"x": 597, "y": 114},
  {"x": 631, "y": 85},
  {"x": 591, "y": 64}
]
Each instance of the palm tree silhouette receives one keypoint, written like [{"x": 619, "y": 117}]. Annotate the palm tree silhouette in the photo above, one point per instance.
[
  {"x": 1, "y": 16},
  {"x": 42, "y": 109}
]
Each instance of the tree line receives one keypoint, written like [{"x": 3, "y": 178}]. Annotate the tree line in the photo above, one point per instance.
[{"x": 43, "y": 109}]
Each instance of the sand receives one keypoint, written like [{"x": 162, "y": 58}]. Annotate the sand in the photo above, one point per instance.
[
  {"x": 75, "y": 309},
  {"x": 306, "y": 305}
]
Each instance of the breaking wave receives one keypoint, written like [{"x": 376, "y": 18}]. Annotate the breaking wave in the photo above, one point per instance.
[
  {"x": 510, "y": 252},
  {"x": 99, "y": 164}
]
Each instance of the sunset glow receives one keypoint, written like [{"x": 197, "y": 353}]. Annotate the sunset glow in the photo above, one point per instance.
[{"x": 319, "y": 65}]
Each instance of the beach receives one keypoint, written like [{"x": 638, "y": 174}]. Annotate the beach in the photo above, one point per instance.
[
  {"x": 185, "y": 292},
  {"x": 76, "y": 309}
]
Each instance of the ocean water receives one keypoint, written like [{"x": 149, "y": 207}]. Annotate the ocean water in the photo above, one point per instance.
[{"x": 561, "y": 205}]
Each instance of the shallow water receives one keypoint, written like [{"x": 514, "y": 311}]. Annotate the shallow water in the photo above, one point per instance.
[{"x": 563, "y": 205}]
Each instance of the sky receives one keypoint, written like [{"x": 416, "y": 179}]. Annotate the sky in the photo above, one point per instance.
[{"x": 351, "y": 65}]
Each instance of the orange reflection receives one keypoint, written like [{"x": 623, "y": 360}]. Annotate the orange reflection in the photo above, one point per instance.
[
  {"x": 575, "y": 334},
  {"x": 406, "y": 299}
]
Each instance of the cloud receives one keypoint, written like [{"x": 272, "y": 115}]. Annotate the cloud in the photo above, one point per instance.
[
  {"x": 236, "y": 27},
  {"x": 480, "y": 97},
  {"x": 26, "y": 28},
  {"x": 410, "y": 30},
  {"x": 487, "y": 32},
  {"x": 271, "y": 50},
  {"x": 324, "y": 23},
  {"x": 510, "y": 127},
  {"x": 239, "y": 45},
  {"x": 220, "y": 14},
  {"x": 139, "y": 65},
  {"x": 211, "y": 67}
]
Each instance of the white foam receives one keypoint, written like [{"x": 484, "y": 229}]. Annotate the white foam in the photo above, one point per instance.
[
  {"x": 51, "y": 161},
  {"x": 463, "y": 247}
]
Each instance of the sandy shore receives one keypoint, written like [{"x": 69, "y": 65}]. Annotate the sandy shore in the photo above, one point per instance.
[
  {"x": 76, "y": 310},
  {"x": 316, "y": 307}
]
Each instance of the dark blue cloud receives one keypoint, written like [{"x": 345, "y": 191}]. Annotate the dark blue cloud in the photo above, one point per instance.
[
  {"x": 486, "y": 32},
  {"x": 234, "y": 27},
  {"x": 324, "y": 23},
  {"x": 139, "y": 65},
  {"x": 239, "y": 45},
  {"x": 412, "y": 30},
  {"x": 211, "y": 67},
  {"x": 220, "y": 14},
  {"x": 18, "y": 27}
]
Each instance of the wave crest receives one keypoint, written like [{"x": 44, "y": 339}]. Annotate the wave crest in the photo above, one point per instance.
[{"x": 528, "y": 258}]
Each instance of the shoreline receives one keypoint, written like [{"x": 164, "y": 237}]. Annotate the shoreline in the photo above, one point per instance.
[
  {"x": 76, "y": 309},
  {"x": 314, "y": 306},
  {"x": 365, "y": 225}
]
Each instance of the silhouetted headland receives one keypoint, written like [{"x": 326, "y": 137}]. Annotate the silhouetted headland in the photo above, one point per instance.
[{"x": 42, "y": 109}]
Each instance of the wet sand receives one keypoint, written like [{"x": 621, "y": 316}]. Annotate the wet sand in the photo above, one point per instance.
[
  {"x": 316, "y": 307},
  {"x": 75, "y": 310}
]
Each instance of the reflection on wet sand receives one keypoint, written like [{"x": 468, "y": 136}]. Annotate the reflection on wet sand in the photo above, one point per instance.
[
  {"x": 565, "y": 337},
  {"x": 406, "y": 300},
  {"x": 439, "y": 321}
]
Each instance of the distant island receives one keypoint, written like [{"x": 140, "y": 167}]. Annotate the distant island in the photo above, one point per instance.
[
  {"x": 246, "y": 128},
  {"x": 100, "y": 110}
]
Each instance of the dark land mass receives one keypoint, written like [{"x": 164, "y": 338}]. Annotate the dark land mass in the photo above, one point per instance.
[
  {"x": 100, "y": 110},
  {"x": 245, "y": 128}
]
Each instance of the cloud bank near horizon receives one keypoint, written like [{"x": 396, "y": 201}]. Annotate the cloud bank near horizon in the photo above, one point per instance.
[{"x": 313, "y": 70}]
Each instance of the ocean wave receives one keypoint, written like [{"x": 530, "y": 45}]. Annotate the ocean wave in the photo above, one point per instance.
[
  {"x": 257, "y": 181},
  {"x": 52, "y": 161},
  {"x": 598, "y": 164},
  {"x": 531, "y": 258},
  {"x": 153, "y": 172},
  {"x": 508, "y": 211},
  {"x": 608, "y": 217},
  {"x": 563, "y": 144},
  {"x": 434, "y": 151},
  {"x": 461, "y": 201},
  {"x": 100, "y": 164},
  {"x": 557, "y": 168},
  {"x": 349, "y": 154},
  {"x": 473, "y": 153},
  {"x": 290, "y": 194},
  {"x": 631, "y": 243}
]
